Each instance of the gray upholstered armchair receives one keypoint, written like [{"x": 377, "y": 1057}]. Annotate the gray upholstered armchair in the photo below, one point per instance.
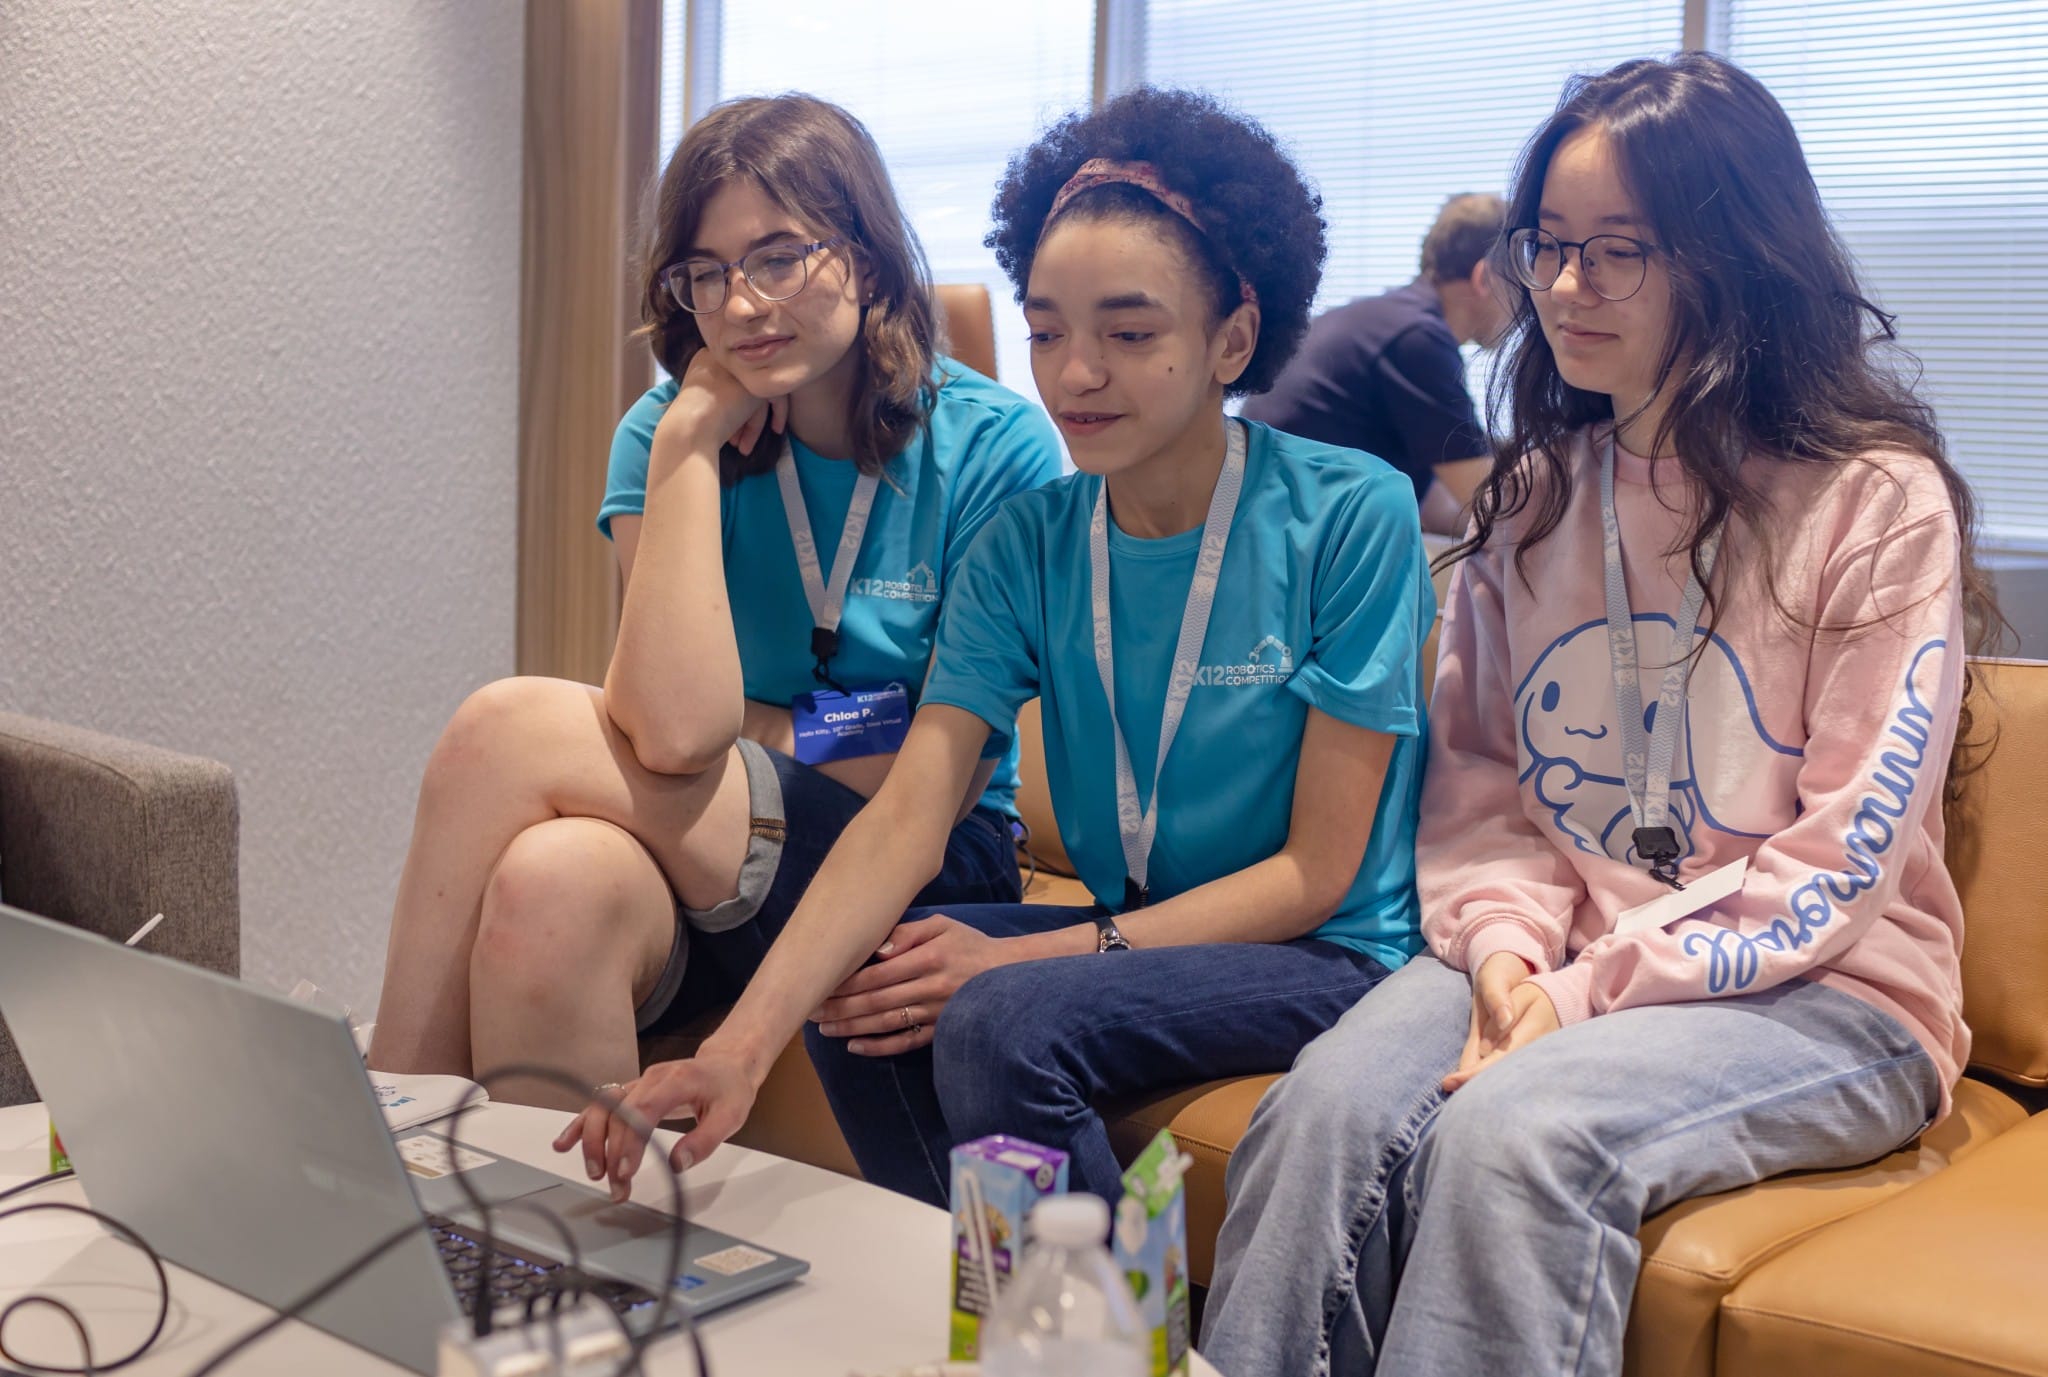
[{"x": 101, "y": 833}]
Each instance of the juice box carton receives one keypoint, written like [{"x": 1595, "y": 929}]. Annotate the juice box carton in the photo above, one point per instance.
[
  {"x": 1151, "y": 1247},
  {"x": 996, "y": 1181}
]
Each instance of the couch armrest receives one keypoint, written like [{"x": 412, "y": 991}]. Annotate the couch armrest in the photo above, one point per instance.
[{"x": 101, "y": 833}]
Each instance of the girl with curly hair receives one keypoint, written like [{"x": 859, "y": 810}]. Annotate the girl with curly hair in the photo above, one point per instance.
[
  {"x": 1221, "y": 623},
  {"x": 789, "y": 512},
  {"x": 1681, "y": 853}
]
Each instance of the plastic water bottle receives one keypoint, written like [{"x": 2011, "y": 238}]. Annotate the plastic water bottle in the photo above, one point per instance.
[{"x": 1067, "y": 1312}]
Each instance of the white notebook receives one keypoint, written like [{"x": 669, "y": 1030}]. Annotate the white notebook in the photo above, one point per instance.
[{"x": 409, "y": 1101}]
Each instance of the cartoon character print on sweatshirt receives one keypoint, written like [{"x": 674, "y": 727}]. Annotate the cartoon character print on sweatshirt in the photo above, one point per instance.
[{"x": 1570, "y": 749}]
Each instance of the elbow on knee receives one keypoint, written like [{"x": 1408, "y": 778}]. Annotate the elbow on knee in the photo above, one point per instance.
[
  {"x": 672, "y": 749},
  {"x": 671, "y": 755}
]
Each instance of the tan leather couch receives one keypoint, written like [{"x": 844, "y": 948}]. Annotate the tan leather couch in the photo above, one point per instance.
[{"x": 1931, "y": 1261}]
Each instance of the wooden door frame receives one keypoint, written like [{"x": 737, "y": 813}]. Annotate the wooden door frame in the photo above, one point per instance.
[{"x": 593, "y": 93}]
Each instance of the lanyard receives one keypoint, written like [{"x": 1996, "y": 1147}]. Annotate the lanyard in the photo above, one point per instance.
[
  {"x": 1136, "y": 828},
  {"x": 1647, "y": 766},
  {"x": 827, "y": 601}
]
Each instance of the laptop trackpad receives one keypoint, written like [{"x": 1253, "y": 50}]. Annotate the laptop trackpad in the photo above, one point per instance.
[{"x": 628, "y": 1241}]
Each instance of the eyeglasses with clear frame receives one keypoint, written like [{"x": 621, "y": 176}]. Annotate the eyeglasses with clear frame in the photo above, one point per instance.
[
  {"x": 775, "y": 272},
  {"x": 1613, "y": 265}
]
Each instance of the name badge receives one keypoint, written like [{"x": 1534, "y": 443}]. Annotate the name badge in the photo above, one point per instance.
[
  {"x": 1666, "y": 909},
  {"x": 846, "y": 726}
]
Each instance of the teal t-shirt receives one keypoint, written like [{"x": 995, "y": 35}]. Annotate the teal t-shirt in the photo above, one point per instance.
[
  {"x": 981, "y": 444},
  {"x": 1324, "y": 599}
]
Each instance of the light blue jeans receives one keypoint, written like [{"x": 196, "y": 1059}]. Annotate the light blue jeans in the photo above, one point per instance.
[{"x": 1377, "y": 1226}]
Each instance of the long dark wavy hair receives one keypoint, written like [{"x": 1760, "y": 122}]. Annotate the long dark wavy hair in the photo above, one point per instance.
[
  {"x": 820, "y": 164},
  {"x": 1774, "y": 348}
]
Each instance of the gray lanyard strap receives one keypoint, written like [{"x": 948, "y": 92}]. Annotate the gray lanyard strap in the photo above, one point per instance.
[
  {"x": 1137, "y": 827},
  {"x": 828, "y": 601},
  {"x": 1647, "y": 766}
]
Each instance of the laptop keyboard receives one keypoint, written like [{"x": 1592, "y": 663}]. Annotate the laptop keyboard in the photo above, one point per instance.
[{"x": 517, "y": 1278}]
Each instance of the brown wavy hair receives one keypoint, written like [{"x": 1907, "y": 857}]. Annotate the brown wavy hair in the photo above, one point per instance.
[
  {"x": 820, "y": 164},
  {"x": 1775, "y": 347}
]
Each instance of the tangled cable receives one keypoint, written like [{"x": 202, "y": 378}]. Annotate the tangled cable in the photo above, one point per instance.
[
  {"x": 570, "y": 1280},
  {"x": 88, "y": 1367}
]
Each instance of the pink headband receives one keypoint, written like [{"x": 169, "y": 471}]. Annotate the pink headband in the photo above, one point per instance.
[{"x": 1144, "y": 176}]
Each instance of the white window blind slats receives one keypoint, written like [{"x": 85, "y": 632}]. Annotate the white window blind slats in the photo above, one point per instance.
[
  {"x": 675, "y": 35},
  {"x": 949, "y": 91},
  {"x": 1926, "y": 124},
  {"x": 1391, "y": 107}
]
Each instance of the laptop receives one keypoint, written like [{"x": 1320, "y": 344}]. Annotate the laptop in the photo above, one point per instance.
[{"x": 237, "y": 1132}]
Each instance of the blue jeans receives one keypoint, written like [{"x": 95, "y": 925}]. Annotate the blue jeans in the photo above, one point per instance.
[
  {"x": 1032, "y": 1049},
  {"x": 1377, "y": 1226}
]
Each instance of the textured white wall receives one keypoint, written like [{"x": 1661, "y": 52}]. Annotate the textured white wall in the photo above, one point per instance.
[{"x": 259, "y": 279}]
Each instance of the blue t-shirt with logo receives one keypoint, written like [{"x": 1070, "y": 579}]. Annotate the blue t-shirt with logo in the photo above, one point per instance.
[
  {"x": 981, "y": 444},
  {"x": 1324, "y": 599}
]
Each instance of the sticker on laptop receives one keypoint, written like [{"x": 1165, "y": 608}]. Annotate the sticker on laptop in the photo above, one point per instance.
[
  {"x": 730, "y": 1262},
  {"x": 431, "y": 1157}
]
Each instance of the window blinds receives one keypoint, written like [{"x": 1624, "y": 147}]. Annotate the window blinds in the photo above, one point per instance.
[
  {"x": 1394, "y": 105},
  {"x": 1926, "y": 125},
  {"x": 949, "y": 90},
  {"x": 1926, "y": 122}
]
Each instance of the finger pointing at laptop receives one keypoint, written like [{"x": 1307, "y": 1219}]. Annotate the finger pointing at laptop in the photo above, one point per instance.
[{"x": 714, "y": 1089}]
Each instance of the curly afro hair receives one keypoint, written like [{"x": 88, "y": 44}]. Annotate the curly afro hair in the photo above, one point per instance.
[{"x": 1259, "y": 219}]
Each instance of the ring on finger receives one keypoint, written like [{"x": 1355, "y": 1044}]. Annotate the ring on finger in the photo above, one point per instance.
[{"x": 909, "y": 1020}]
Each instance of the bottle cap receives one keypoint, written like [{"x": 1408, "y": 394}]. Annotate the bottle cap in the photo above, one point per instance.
[{"x": 1069, "y": 1221}]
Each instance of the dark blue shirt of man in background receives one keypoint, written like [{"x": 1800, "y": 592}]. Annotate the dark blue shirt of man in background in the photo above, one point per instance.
[{"x": 1383, "y": 374}]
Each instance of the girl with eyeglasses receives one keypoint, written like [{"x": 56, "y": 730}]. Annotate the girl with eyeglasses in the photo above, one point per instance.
[
  {"x": 1702, "y": 667},
  {"x": 789, "y": 510},
  {"x": 1221, "y": 623}
]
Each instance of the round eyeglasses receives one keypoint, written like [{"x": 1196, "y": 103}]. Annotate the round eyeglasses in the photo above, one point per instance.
[
  {"x": 775, "y": 272},
  {"x": 1613, "y": 265}
]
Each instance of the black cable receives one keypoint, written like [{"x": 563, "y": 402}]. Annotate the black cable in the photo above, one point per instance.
[
  {"x": 313, "y": 1297},
  {"x": 28, "y": 1186},
  {"x": 678, "y": 1231},
  {"x": 636, "y": 1347},
  {"x": 320, "y": 1293},
  {"x": 90, "y": 1368},
  {"x": 570, "y": 1247},
  {"x": 1020, "y": 835}
]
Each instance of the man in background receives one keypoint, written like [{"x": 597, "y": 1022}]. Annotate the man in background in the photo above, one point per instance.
[{"x": 1383, "y": 374}]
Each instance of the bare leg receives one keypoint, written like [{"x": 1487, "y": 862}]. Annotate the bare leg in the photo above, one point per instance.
[
  {"x": 578, "y": 922},
  {"x": 518, "y": 753}
]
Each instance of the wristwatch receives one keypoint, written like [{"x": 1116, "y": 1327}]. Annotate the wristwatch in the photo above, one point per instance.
[{"x": 1107, "y": 937}]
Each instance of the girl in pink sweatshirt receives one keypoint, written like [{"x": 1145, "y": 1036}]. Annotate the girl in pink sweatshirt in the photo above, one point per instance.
[{"x": 1680, "y": 856}]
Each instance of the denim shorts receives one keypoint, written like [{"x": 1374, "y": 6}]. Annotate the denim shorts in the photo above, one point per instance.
[{"x": 797, "y": 815}]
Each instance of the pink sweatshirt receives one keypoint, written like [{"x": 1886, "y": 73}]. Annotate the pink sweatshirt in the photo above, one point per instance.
[{"x": 1819, "y": 756}]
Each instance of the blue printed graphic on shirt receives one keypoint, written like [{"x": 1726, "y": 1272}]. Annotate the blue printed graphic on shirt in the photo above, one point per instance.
[
  {"x": 1323, "y": 601},
  {"x": 981, "y": 444},
  {"x": 1734, "y": 959},
  {"x": 1571, "y": 754}
]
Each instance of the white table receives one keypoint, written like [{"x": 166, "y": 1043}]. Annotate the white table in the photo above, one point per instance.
[{"x": 874, "y": 1301}]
